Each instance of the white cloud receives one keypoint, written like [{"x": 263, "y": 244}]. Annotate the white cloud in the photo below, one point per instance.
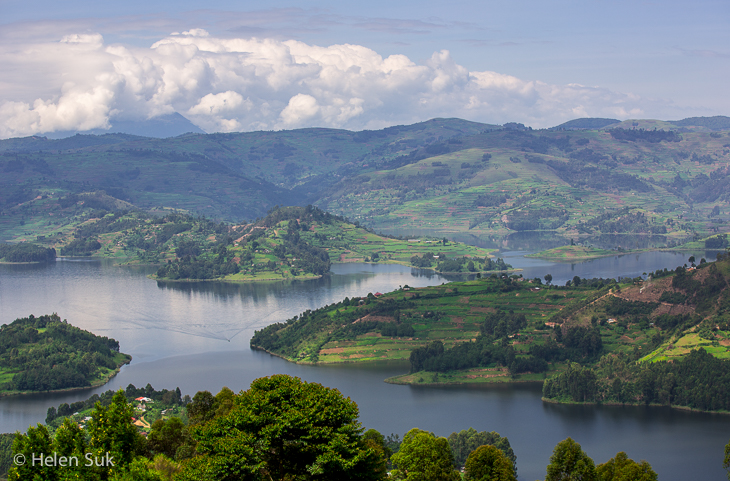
[
  {"x": 300, "y": 109},
  {"x": 228, "y": 84}
]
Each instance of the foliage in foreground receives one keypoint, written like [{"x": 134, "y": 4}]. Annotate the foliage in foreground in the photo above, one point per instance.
[{"x": 285, "y": 429}]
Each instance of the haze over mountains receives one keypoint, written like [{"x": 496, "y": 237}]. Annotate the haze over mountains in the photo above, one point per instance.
[
  {"x": 447, "y": 176},
  {"x": 172, "y": 125}
]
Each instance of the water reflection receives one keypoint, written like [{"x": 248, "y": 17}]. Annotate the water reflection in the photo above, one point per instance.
[{"x": 195, "y": 336}]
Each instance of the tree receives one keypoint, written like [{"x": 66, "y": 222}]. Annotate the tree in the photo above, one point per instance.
[
  {"x": 36, "y": 440},
  {"x": 284, "y": 428},
  {"x": 548, "y": 278},
  {"x": 487, "y": 463},
  {"x": 621, "y": 468},
  {"x": 167, "y": 437},
  {"x": 726, "y": 461},
  {"x": 112, "y": 433},
  {"x": 570, "y": 463},
  {"x": 424, "y": 457},
  {"x": 466, "y": 441}
]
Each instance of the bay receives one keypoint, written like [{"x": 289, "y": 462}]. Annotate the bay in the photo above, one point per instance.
[{"x": 195, "y": 336}]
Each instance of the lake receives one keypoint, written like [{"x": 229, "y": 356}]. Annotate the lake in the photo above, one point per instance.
[{"x": 195, "y": 336}]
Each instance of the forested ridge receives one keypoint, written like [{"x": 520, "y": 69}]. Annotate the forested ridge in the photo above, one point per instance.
[{"x": 45, "y": 353}]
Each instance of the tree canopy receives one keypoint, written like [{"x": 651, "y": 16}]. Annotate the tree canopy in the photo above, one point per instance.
[
  {"x": 424, "y": 457},
  {"x": 621, "y": 468},
  {"x": 570, "y": 463},
  {"x": 487, "y": 463},
  {"x": 285, "y": 428}
]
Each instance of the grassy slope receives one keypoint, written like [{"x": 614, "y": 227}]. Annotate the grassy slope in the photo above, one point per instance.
[
  {"x": 385, "y": 201},
  {"x": 460, "y": 308},
  {"x": 343, "y": 241},
  {"x": 236, "y": 176},
  {"x": 572, "y": 253},
  {"x": 226, "y": 176}
]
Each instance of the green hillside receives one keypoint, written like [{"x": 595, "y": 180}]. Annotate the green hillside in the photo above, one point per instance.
[
  {"x": 581, "y": 184},
  {"x": 446, "y": 177},
  {"x": 290, "y": 242},
  {"x": 228, "y": 176},
  {"x": 506, "y": 329}
]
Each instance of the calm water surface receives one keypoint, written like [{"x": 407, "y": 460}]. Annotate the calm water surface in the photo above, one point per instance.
[{"x": 195, "y": 336}]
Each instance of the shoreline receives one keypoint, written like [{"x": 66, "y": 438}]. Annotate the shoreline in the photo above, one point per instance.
[
  {"x": 93, "y": 385},
  {"x": 614, "y": 403},
  {"x": 393, "y": 380},
  {"x": 618, "y": 253},
  {"x": 234, "y": 281}
]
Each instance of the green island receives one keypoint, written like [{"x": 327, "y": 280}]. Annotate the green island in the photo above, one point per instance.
[
  {"x": 154, "y": 435},
  {"x": 41, "y": 354},
  {"x": 593, "y": 340},
  {"x": 573, "y": 252},
  {"x": 289, "y": 243}
]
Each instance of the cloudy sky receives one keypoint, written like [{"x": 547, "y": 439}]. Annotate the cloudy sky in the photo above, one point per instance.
[{"x": 240, "y": 65}]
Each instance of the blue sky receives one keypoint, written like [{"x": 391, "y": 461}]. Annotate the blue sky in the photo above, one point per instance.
[{"x": 245, "y": 66}]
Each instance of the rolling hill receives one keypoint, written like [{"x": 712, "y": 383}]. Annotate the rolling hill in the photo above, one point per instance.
[{"x": 630, "y": 186}]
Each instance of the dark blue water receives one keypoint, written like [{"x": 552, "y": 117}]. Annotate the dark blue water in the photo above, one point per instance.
[{"x": 195, "y": 336}]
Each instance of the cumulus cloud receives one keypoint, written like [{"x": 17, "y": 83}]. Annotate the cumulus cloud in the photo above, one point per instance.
[{"x": 232, "y": 84}]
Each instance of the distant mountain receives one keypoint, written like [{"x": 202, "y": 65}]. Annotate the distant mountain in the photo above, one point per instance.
[
  {"x": 699, "y": 124},
  {"x": 162, "y": 127},
  {"x": 719, "y": 122},
  {"x": 445, "y": 176},
  {"x": 586, "y": 124}
]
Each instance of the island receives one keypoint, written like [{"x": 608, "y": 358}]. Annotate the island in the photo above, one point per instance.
[
  {"x": 45, "y": 353},
  {"x": 577, "y": 252},
  {"x": 639, "y": 341},
  {"x": 290, "y": 243}
]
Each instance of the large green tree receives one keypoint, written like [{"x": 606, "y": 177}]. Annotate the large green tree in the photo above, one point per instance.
[
  {"x": 424, "y": 457},
  {"x": 111, "y": 433},
  {"x": 284, "y": 428},
  {"x": 111, "y": 444},
  {"x": 621, "y": 468},
  {"x": 570, "y": 463},
  {"x": 488, "y": 463},
  {"x": 466, "y": 441}
]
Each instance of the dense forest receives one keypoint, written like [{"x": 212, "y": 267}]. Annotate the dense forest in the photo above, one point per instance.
[
  {"x": 45, "y": 353},
  {"x": 699, "y": 381},
  {"x": 26, "y": 252},
  {"x": 280, "y": 428}
]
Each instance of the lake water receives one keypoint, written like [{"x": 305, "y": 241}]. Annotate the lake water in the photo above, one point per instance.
[{"x": 195, "y": 336}]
